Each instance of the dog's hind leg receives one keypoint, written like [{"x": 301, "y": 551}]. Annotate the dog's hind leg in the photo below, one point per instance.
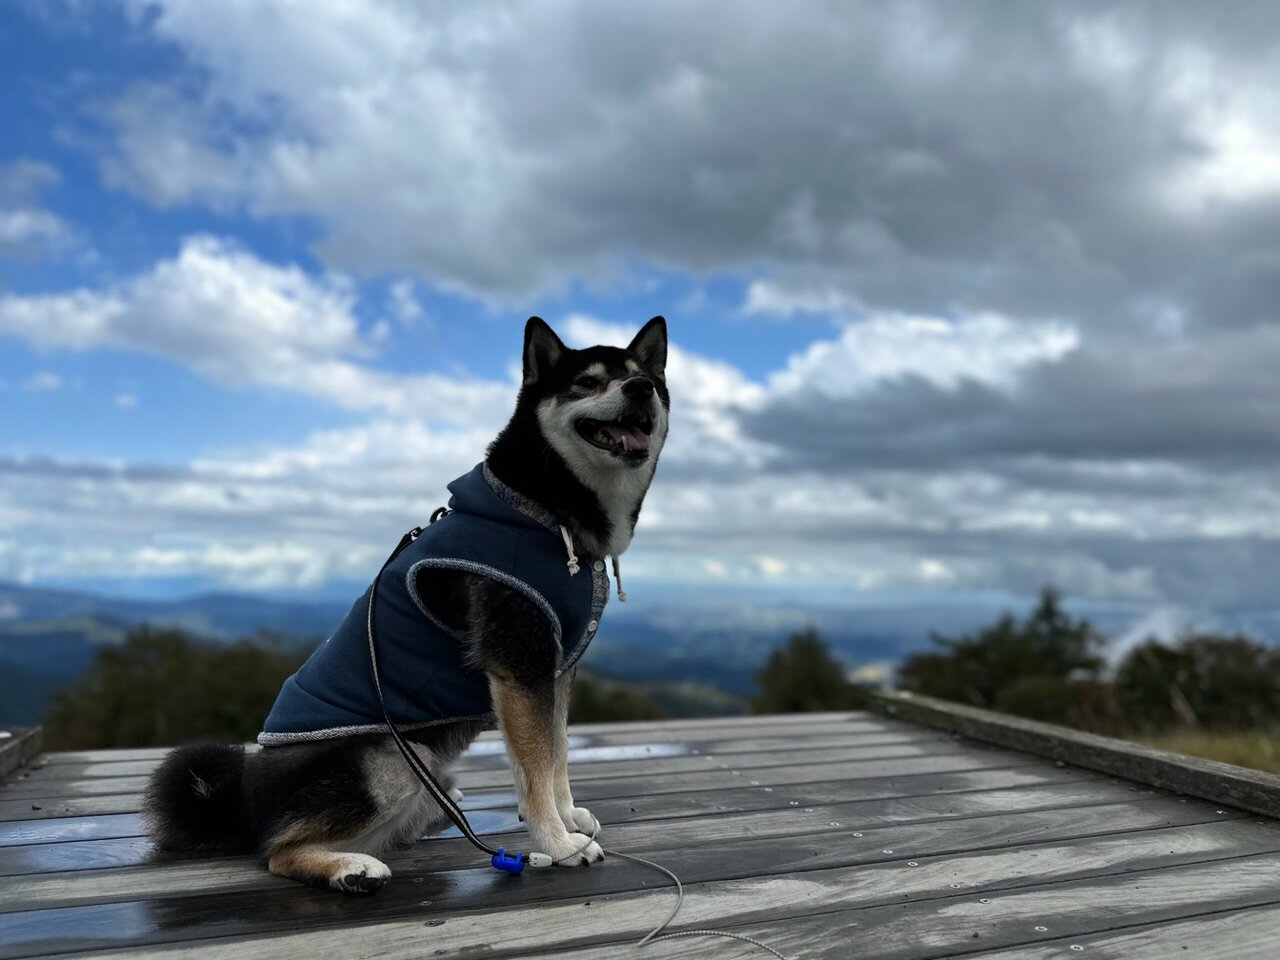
[
  {"x": 315, "y": 864},
  {"x": 575, "y": 818},
  {"x": 330, "y": 809}
]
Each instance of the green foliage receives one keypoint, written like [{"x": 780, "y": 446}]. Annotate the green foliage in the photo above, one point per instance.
[
  {"x": 23, "y": 693},
  {"x": 804, "y": 676},
  {"x": 160, "y": 688},
  {"x": 1205, "y": 681},
  {"x": 596, "y": 700},
  {"x": 1030, "y": 667}
]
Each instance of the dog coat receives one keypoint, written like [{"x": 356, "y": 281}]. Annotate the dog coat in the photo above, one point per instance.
[{"x": 490, "y": 530}]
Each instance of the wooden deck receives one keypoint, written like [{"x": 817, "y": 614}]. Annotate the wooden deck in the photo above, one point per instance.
[{"x": 832, "y": 835}]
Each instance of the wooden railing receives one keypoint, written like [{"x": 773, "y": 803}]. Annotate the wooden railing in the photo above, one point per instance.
[{"x": 1226, "y": 783}]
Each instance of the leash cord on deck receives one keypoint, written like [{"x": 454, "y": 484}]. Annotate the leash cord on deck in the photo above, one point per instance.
[
  {"x": 653, "y": 935},
  {"x": 441, "y": 795}
]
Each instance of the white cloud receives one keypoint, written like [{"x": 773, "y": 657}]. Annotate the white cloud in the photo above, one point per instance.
[
  {"x": 918, "y": 158},
  {"x": 43, "y": 381},
  {"x": 28, "y": 227},
  {"x": 1233, "y": 112},
  {"x": 25, "y": 227},
  {"x": 985, "y": 348},
  {"x": 403, "y": 302},
  {"x": 767, "y": 297},
  {"x": 238, "y": 320}
]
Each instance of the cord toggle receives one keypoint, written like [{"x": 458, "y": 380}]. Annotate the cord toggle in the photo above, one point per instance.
[{"x": 507, "y": 862}]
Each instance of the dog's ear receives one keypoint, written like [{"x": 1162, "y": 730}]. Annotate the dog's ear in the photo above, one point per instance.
[
  {"x": 542, "y": 349},
  {"x": 650, "y": 345}
]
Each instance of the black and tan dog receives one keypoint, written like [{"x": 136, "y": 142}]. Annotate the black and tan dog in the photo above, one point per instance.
[{"x": 483, "y": 617}]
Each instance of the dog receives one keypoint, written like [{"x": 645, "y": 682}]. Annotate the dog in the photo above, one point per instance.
[{"x": 480, "y": 620}]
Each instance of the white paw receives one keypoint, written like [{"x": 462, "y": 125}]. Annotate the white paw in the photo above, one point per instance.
[
  {"x": 573, "y": 850},
  {"x": 456, "y": 794},
  {"x": 359, "y": 873},
  {"x": 579, "y": 819}
]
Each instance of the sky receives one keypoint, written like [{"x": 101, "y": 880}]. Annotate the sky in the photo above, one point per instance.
[{"x": 964, "y": 298}]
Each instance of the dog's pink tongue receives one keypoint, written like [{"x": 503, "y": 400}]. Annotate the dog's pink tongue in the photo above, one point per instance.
[{"x": 632, "y": 438}]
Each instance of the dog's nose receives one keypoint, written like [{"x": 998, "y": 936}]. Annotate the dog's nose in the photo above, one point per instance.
[{"x": 638, "y": 388}]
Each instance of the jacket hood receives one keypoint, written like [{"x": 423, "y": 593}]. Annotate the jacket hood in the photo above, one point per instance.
[{"x": 480, "y": 493}]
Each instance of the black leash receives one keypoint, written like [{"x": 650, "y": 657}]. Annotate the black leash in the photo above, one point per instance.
[{"x": 500, "y": 859}]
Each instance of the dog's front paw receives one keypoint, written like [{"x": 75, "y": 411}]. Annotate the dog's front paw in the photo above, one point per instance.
[
  {"x": 573, "y": 850},
  {"x": 579, "y": 819},
  {"x": 359, "y": 873}
]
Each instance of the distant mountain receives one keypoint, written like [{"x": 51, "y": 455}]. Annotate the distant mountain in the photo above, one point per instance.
[
  {"x": 665, "y": 636},
  {"x": 47, "y": 637},
  {"x": 219, "y": 616}
]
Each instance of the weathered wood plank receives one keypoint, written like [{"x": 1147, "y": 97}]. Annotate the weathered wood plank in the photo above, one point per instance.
[
  {"x": 619, "y": 818},
  {"x": 1221, "y": 782},
  {"x": 747, "y": 764},
  {"x": 584, "y": 751},
  {"x": 18, "y": 746},
  {"x": 1044, "y": 790},
  {"x": 1009, "y": 920},
  {"x": 443, "y": 867},
  {"x": 587, "y": 788},
  {"x": 24, "y": 892},
  {"x": 70, "y": 828},
  {"x": 1249, "y": 934},
  {"x": 831, "y": 913},
  {"x": 709, "y": 727}
]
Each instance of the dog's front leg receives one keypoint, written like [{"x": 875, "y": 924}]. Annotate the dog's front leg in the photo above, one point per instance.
[
  {"x": 575, "y": 818},
  {"x": 527, "y": 717}
]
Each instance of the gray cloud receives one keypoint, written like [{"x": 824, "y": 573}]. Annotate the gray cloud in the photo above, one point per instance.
[
  {"x": 1213, "y": 399},
  {"x": 1074, "y": 159},
  {"x": 1100, "y": 177}
]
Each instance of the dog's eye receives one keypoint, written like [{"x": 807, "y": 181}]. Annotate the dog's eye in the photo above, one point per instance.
[{"x": 586, "y": 383}]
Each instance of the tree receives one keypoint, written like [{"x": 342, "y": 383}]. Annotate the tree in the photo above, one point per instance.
[
  {"x": 1031, "y": 667},
  {"x": 161, "y": 687},
  {"x": 596, "y": 700},
  {"x": 1216, "y": 682},
  {"x": 804, "y": 676}
]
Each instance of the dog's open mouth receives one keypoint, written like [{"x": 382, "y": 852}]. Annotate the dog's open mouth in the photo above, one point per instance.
[{"x": 628, "y": 436}]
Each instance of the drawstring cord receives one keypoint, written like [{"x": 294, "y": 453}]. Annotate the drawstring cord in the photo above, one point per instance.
[
  {"x": 568, "y": 545},
  {"x": 574, "y": 566},
  {"x": 617, "y": 578}
]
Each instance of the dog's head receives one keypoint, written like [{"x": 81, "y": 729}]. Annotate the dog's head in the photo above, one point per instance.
[{"x": 603, "y": 409}]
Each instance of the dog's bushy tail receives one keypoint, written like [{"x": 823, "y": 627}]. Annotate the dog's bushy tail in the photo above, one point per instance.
[{"x": 194, "y": 803}]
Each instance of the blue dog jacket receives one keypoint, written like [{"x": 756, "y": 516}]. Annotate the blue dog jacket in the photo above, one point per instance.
[{"x": 491, "y": 530}]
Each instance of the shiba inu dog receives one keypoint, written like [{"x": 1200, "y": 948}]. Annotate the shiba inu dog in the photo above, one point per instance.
[{"x": 480, "y": 619}]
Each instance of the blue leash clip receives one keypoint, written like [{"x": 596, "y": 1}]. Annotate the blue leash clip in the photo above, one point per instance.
[{"x": 509, "y": 863}]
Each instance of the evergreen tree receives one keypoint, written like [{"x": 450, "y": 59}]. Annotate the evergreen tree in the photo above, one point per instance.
[
  {"x": 602, "y": 701},
  {"x": 1031, "y": 667},
  {"x": 804, "y": 676},
  {"x": 1219, "y": 683},
  {"x": 161, "y": 688}
]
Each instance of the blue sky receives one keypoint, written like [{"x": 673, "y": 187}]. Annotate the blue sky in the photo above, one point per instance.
[{"x": 963, "y": 301}]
